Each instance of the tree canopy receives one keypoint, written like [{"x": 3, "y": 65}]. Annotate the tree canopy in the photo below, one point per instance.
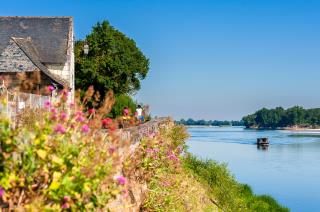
[
  {"x": 279, "y": 117},
  {"x": 114, "y": 62}
]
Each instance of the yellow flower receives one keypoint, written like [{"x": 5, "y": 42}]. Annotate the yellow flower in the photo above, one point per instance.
[
  {"x": 42, "y": 153},
  {"x": 8, "y": 141},
  {"x": 55, "y": 184},
  {"x": 36, "y": 141},
  {"x": 57, "y": 160}
]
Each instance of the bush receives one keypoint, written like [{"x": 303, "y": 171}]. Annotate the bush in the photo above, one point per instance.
[
  {"x": 122, "y": 101},
  {"x": 64, "y": 162}
]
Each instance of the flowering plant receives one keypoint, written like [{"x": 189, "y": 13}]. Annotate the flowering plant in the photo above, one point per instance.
[{"x": 62, "y": 160}]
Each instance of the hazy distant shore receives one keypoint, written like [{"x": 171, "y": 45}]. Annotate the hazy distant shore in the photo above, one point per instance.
[{"x": 295, "y": 128}]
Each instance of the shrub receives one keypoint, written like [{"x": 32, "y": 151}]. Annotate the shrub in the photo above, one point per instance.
[{"x": 64, "y": 162}]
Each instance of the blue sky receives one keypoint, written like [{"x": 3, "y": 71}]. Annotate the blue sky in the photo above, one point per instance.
[{"x": 211, "y": 59}]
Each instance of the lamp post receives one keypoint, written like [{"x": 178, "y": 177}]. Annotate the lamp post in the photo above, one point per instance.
[{"x": 86, "y": 49}]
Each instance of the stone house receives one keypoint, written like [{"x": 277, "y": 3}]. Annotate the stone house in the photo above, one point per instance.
[{"x": 36, "y": 52}]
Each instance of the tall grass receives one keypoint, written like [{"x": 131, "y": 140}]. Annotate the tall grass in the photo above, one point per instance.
[{"x": 228, "y": 194}]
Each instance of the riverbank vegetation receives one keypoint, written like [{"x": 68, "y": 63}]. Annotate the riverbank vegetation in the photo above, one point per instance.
[
  {"x": 228, "y": 194},
  {"x": 202, "y": 122},
  {"x": 171, "y": 171},
  {"x": 280, "y": 118}
]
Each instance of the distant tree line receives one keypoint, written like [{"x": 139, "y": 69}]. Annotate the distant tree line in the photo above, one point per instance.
[
  {"x": 203, "y": 122},
  {"x": 279, "y": 117}
]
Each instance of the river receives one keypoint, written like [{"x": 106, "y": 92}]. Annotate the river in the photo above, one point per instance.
[{"x": 289, "y": 170}]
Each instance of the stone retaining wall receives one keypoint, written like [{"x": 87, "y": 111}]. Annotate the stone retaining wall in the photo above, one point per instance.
[{"x": 137, "y": 190}]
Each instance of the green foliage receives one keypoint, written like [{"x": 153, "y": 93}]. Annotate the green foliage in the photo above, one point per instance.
[
  {"x": 278, "y": 117},
  {"x": 114, "y": 62},
  {"x": 122, "y": 101},
  {"x": 203, "y": 122},
  {"x": 229, "y": 194}
]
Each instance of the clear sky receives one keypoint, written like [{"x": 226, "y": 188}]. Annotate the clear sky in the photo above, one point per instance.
[{"x": 211, "y": 59}]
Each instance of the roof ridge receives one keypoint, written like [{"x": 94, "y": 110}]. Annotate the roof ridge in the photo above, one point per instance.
[{"x": 71, "y": 17}]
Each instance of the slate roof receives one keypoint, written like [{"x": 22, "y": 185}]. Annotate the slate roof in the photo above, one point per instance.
[
  {"x": 27, "y": 46},
  {"x": 49, "y": 35}
]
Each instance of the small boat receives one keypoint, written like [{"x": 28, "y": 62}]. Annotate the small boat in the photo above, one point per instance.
[{"x": 262, "y": 141}]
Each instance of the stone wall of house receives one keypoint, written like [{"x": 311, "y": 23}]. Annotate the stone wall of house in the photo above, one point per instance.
[
  {"x": 13, "y": 59},
  {"x": 66, "y": 70}
]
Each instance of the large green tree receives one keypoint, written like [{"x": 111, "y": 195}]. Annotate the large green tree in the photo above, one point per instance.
[{"x": 114, "y": 62}]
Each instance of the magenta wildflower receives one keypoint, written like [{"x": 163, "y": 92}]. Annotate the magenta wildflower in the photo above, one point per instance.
[
  {"x": 111, "y": 150},
  {"x": 91, "y": 111},
  {"x": 172, "y": 156},
  {"x": 121, "y": 180},
  {"x": 152, "y": 135},
  {"x": 125, "y": 193},
  {"x": 71, "y": 104},
  {"x": 66, "y": 198},
  {"x": 47, "y": 104},
  {"x": 85, "y": 128},
  {"x": 65, "y": 205},
  {"x": 50, "y": 88},
  {"x": 149, "y": 150},
  {"x": 79, "y": 113},
  {"x": 2, "y": 192},
  {"x": 60, "y": 129},
  {"x": 106, "y": 122},
  {"x": 54, "y": 110},
  {"x": 166, "y": 183},
  {"x": 72, "y": 126},
  {"x": 63, "y": 116},
  {"x": 80, "y": 118}
]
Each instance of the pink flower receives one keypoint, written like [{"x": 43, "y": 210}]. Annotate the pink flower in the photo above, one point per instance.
[
  {"x": 60, "y": 129},
  {"x": 63, "y": 116},
  {"x": 125, "y": 193},
  {"x": 166, "y": 183},
  {"x": 2, "y": 192},
  {"x": 79, "y": 113},
  {"x": 149, "y": 150},
  {"x": 91, "y": 111},
  {"x": 172, "y": 156},
  {"x": 66, "y": 198},
  {"x": 106, "y": 122},
  {"x": 111, "y": 150},
  {"x": 152, "y": 135},
  {"x": 50, "y": 88},
  {"x": 53, "y": 110},
  {"x": 121, "y": 180},
  {"x": 47, "y": 104},
  {"x": 71, "y": 104},
  {"x": 65, "y": 205},
  {"x": 80, "y": 118},
  {"x": 85, "y": 128}
]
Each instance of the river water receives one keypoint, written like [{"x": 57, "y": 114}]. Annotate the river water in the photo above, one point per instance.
[{"x": 289, "y": 170}]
